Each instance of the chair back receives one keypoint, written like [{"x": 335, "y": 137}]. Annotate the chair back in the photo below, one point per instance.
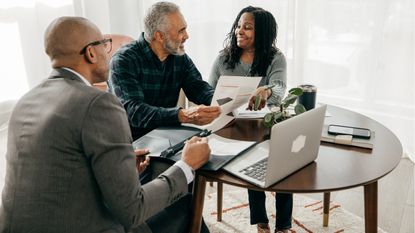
[{"x": 117, "y": 42}]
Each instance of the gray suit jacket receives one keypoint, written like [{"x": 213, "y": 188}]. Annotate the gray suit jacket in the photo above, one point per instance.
[{"x": 71, "y": 166}]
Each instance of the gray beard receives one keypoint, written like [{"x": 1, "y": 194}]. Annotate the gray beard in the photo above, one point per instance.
[{"x": 169, "y": 46}]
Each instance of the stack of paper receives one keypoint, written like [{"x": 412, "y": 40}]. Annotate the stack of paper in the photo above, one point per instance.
[{"x": 242, "y": 112}]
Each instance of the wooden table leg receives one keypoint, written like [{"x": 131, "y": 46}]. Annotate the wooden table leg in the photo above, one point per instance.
[
  {"x": 326, "y": 209},
  {"x": 220, "y": 201},
  {"x": 199, "y": 189},
  {"x": 371, "y": 207}
]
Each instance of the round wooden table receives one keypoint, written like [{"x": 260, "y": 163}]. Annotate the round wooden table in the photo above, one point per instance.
[{"x": 337, "y": 167}]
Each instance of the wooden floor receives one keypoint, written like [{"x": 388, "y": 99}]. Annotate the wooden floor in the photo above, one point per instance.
[{"x": 395, "y": 199}]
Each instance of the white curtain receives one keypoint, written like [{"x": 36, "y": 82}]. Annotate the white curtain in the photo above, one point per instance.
[{"x": 359, "y": 53}]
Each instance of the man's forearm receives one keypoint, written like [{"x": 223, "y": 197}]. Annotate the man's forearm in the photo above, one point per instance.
[{"x": 147, "y": 116}]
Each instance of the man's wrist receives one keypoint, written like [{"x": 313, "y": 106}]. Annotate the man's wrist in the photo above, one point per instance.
[
  {"x": 187, "y": 170},
  {"x": 181, "y": 115},
  {"x": 186, "y": 117}
]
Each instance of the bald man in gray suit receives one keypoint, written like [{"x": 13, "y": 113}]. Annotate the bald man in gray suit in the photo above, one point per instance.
[{"x": 70, "y": 163}]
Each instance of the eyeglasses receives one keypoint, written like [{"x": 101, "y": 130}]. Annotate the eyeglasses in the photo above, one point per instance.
[{"x": 106, "y": 42}]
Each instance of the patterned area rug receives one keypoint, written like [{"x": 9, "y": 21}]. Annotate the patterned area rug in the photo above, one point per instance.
[{"x": 307, "y": 214}]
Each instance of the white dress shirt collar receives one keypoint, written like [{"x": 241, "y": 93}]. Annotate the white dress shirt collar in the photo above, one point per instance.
[{"x": 79, "y": 75}]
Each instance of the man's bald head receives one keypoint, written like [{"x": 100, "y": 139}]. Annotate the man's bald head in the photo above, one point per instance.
[{"x": 66, "y": 36}]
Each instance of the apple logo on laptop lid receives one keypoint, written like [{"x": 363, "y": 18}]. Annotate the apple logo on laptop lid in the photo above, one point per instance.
[{"x": 298, "y": 144}]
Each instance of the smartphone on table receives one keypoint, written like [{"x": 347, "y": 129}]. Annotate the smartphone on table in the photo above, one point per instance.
[{"x": 348, "y": 130}]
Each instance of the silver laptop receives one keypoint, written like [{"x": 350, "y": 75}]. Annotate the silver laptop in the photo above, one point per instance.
[{"x": 294, "y": 143}]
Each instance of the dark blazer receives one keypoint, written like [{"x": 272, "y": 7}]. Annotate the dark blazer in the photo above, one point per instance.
[{"x": 71, "y": 166}]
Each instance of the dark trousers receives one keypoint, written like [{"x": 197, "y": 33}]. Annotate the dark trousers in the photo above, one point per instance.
[
  {"x": 176, "y": 217},
  {"x": 170, "y": 221},
  {"x": 283, "y": 206}
]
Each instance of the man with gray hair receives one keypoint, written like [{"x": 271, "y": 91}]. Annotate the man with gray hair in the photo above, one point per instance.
[
  {"x": 70, "y": 165},
  {"x": 147, "y": 75}
]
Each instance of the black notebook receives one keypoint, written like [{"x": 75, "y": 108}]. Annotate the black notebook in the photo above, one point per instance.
[{"x": 165, "y": 138}]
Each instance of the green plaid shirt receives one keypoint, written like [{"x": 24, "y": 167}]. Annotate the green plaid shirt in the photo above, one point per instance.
[{"x": 149, "y": 89}]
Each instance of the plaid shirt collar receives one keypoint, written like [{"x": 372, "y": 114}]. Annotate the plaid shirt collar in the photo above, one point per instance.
[{"x": 148, "y": 52}]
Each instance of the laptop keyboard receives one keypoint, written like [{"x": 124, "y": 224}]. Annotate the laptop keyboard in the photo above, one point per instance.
[{"x": 256, "y": 170}]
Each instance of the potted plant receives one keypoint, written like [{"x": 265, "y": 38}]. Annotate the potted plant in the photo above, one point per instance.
[{"x": 280, "y": 112}]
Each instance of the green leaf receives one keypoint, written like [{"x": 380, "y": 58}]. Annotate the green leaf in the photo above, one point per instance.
[
  {"x": 268, "y": 117},
  {"x": 296, "y": 91},
  {"x": 299, "y": 108},
  {"x": 268, "y": 125},
  {"x": 290, "y": 99},
  {"x": 282, "y": 114},
  {"x": 257, "y": 102},
  {"x": 268, "y": 120},
  {"x": 278, "y": 116}
]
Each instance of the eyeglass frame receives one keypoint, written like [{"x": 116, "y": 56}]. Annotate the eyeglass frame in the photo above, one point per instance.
[{"x": 95, "y": 43}]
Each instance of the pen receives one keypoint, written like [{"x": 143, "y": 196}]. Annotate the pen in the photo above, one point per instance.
[
  {"x": 179, "y": 146},
  {"x": 269, "y": 87},
  {"x": 142, "y": 157},
  {"x": 258, "y": 98}
]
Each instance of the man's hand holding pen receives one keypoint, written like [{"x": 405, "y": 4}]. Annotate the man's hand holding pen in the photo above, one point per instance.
[
  {"x": 179, "y": 146},
  {"x": 141, "y": 160},
  {"x": 196, "y": 152}
]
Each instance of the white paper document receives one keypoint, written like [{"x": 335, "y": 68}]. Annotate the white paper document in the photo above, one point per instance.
[
  {"x": 242, "y": 112},
  {"x": 231, "y": 92},
  {"x": 221, "y": 146},
  {"x": 215, "y": 125}
]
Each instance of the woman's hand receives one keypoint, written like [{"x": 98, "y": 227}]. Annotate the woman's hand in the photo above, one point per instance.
[{"x": 262, "y": 94}]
